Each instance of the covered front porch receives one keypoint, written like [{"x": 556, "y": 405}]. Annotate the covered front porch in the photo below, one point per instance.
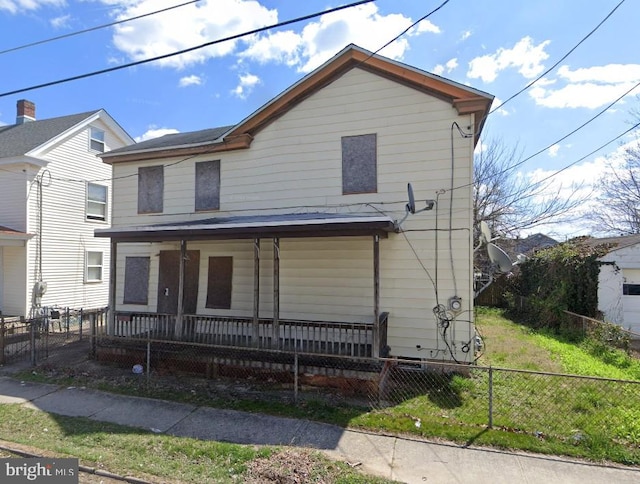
[{"x": 178, "y": 319}]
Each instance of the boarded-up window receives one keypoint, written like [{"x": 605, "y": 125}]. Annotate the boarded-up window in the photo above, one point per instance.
[
  {"x": 359, "y": 164},
  {"x": 150, "y": 189},
  {"x": 136, "y": 280},
  {"x": 208, "y": 185},
  {"x": 219, "y": 282}
]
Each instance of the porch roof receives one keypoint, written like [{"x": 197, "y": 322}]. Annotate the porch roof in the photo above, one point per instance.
[{"x": 256, "y": 226}]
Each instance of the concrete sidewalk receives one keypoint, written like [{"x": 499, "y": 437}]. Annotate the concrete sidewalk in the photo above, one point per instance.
[{"x": 402, "y": 459}]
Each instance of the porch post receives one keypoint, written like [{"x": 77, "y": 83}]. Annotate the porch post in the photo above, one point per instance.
[
  {"x": 255, "y": 338},
  {"x": 275, "y": 338},
  {"x": 111, "y": 323},
  {"x": 375, "y": 349},
  {"x": 180, "y": 311}
]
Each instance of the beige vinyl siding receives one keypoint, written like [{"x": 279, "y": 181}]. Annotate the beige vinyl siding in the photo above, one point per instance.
[{"x": 294, "y": 165}]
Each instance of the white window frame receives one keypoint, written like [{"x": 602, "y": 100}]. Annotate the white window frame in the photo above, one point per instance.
[
  {"x": 96, "y": 135},
  {"x": 88, "y": 266},
  {"x": 94, "y": 217}
]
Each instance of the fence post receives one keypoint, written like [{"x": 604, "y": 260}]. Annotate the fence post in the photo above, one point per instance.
[
  {"x": 490, "y": 397},
  {"x": 67, "y": 322},
  {"x": 295, "y": 376},
  {"x": 92, "y": 322},
  {"x": 32, "y": 337},
  {"x": 1, "y": 340},
  {"x": 80, "y": 325}
]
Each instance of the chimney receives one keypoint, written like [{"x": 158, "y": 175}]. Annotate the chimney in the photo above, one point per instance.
[{"x": 26, "y": 112}]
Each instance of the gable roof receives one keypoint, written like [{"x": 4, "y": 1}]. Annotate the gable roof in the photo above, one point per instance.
[
  {"x": 22, "y": 139},
  {"x": 465, "y": 99},
  {"x": 19, "y": 139},
  {"x": 613, "y": 243}
]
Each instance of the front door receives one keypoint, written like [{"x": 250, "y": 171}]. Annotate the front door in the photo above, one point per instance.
[{"x": 169, "y": 281}]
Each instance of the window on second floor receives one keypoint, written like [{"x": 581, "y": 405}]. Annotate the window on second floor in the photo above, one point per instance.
[
  {"x": 96, "y": 139},
  {"x": 93, "y": 270},
  {"x": 150, "y": 189},
  {"x": 207, "y": 185},
  {"x": 359, "y": 164},
  {"x": 97, "y": 201}
]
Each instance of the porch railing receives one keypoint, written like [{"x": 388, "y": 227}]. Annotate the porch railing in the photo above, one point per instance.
[{"x": 321, "y": 337}]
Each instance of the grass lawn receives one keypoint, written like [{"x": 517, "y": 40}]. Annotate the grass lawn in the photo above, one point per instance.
[
  {"x": 593, "y": 419},
  {"x": 161, "y": 458}
]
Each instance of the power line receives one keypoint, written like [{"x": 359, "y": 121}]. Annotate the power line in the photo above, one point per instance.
[
  {"x": 558, "y": 62},
  {"x": 183, "y": 51},
  {"x": 91, "y": 29},
  {"x": 589, "y": 154}
]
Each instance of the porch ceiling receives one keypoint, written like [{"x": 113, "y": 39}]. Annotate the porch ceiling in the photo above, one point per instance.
[{"x": 256, "y": 226}]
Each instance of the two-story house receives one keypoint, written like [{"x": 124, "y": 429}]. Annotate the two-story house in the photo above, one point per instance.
[
  {"x": 54, "y": 191},
  {"x": 294, "y": 229}
]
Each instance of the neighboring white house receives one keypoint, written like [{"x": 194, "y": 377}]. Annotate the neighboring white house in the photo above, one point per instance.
[
  {"x": 54, "y": 191},
  {"x": 295, "y": 214},
  {"x": 619, "y": 282}
]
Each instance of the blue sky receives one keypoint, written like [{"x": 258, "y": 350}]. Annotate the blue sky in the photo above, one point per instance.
[{"x": 497, "y": 46}]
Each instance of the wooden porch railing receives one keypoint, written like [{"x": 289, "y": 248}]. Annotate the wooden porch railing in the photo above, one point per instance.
[{"x": 318, "y": 337}]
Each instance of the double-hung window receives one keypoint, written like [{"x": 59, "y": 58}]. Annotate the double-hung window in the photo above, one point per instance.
[
  {"x": 96, "y": 139},
  {"x": 97, "y": 201},
  {"x": 93, "y": 271}
]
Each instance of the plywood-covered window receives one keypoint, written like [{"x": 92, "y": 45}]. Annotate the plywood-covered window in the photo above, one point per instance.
[
  {"x": 359, "y": 164},
  {"x": 219, "y": 282},
  {"x": 136, "y": 280},
  {"x": 208, "y": 185},
  {"x": 150, "y": 189}
]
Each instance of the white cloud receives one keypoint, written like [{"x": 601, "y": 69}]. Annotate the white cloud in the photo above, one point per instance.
[
  {"x": 16, "y": 6},
  {"x": 320, "y": 40},
  {"x": 194, "y": 25},
  {"x": 60, "y": 22},
  {"x": 246, "y": 85},
  {"x": 448, "y": 67},
  {"x": 304, "y": 49},
  {"x": 586, "y": 176},
  {"x": 590, "y": 87},
  {"x": 495, "y": 104},
  {"x": 524, "y": 56},
  {"x": 452, "y": 64},
  {"x": 154, "y": 132},
  {"x": 553, "y": 150},
  {"x": 465, "y": 35},
  {"x": 191, "y": 80}
]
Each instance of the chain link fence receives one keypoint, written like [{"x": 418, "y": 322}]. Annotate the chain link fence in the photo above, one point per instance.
[{"x": 567, "y": 408}]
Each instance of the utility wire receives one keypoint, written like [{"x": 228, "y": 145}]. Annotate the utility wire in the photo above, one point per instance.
[
  {"x": 542, "y": 150},
  {"x": 589, "y": 154},
  {"x": 559, "y": 61},
  {"x": 91, "y": 29},
  {"x": 183, "y": 51}
]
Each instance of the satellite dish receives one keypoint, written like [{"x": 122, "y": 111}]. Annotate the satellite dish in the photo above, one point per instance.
[
  {"x": 485, "y": 232},
  {"x": 499, "y": 257},
  {"x": 411, "y": 206}
]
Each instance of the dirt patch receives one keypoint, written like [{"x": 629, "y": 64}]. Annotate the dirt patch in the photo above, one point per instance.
[{"x": 289, "y": 466}]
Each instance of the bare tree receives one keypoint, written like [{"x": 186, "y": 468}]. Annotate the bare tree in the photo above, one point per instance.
[
  {"x": 510, "y": 202},
  {"x": 618, "y": 209}
]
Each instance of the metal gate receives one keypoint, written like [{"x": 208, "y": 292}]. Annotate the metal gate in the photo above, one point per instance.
[{"x": 45, "y": 336}]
